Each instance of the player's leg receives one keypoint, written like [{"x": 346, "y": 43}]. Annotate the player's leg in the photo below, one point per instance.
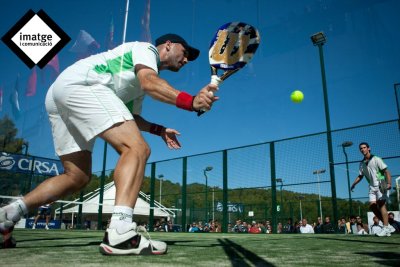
[
  {"x": 48, "y": 215},
  {"x": 77, "y": 168},
  {"x": 36, "y": 218},
  {"x": 77, "y": 173},
  {"x": 128, "y": 177},
  {"x": 373, "y": 206},
  {"x": 381, "y": 206},
  {"x": 127, "y": 140}
]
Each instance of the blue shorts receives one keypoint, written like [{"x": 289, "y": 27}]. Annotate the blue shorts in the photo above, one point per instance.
[{"x": 44, "y": 211}]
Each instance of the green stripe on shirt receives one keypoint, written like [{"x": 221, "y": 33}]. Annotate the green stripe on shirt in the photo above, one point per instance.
[{"x": 115, "y": 65}]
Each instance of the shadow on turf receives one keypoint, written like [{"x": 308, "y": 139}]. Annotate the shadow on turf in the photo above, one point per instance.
[
  {"x": 51, "y": 239},
  {"x": 388, "y": 258},
  {"x": 358, "y": 240},
  {"x": 238, "y": 254}
]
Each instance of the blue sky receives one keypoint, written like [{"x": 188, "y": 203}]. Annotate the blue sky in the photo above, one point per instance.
[{"x": 361, "y": 56}]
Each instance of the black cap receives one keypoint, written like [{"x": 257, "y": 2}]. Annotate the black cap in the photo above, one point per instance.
[{"x": 174, "y": 38}]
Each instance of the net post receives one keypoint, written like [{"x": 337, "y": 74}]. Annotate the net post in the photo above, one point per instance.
[
  {"x": 273, "y": 186},
  {"x": 184, "y": 196},
  {"x": 152, "y": 188}
]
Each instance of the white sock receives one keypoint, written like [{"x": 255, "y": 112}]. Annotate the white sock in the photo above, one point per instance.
[
  {"x": 121, "y": 219},
  {"x": 16, "y": 210}
]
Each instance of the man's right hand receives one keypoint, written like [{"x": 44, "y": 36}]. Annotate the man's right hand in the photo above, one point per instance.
[{"x": 205, "y": 98}]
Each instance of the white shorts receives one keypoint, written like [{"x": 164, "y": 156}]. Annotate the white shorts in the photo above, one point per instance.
[
  {"x": 375, "y": 194},
  {"x": 80, "y": 112}
]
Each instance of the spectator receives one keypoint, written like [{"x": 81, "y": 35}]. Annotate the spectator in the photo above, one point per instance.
[
  {"x": 375, "y": 227},
  {"x": 360, "y": 227},
  {"x": 352, "y": 225},
  {"x": 279, "y": 228},
  {"x": 305, "y": 228},
  {"x": 296, "y": 227},
  {"x": 342, "y": 226},
  {"x": 230, "y": 228},
  {"x": 288, "y": 228},
  {"x": 168, "y": 227},
  {"x": 200, "y": 226},
  {"x": 394, "y": 223},
  {"x": 194, "y": 228},
  {"x": 268, "y": 228},
  {"x": 217, "y": 227},
  {"x": 254, "y": 229},
  {"x": 318, "y": 229},
  {"x": 238, "y": 226},
  {"x": 262, "y": 228},
  {"x": 245, "y": 227},
  {"x": 327, "y": 227}
]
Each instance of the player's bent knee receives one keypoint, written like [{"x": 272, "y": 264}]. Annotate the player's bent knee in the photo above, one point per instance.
[{"x": 78, "y": 179}]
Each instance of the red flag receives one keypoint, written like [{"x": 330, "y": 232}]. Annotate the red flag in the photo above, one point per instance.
[
  {"x": 85, "y": 45},
  {"x": 32, "y": 81},
  {"x": 146, "y": 35},
  {"x": 1, "y": 98},
  {"x": 55, "y": 64}
]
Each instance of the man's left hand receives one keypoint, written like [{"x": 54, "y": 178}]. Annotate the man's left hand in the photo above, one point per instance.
[{"x": 169, "y": 137}]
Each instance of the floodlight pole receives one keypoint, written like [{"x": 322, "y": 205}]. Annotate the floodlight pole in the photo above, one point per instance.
[
  {"x": 318, "y": 172},
  {"x": 328, "y": 129},
  {"x": 344, "y": 145}
]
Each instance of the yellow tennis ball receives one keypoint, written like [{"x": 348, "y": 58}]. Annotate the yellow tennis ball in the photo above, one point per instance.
[{"x": 297, "y": 96}]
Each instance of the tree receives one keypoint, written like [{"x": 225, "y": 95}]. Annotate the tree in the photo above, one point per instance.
[{"x": 8, "y": 141}]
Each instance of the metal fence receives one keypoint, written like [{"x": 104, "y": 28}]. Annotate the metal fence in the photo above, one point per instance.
[{"x": 273, "y": 181}]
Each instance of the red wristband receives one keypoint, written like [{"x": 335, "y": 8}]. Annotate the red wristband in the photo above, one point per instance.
[
  {"x": 156, "y": 129},
  {"x": 185, "y": 101}
]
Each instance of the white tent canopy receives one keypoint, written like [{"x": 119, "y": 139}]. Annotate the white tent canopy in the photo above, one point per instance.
[{"x": 91, "y": 204}]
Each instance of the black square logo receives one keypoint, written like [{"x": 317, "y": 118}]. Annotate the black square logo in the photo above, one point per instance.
[{"x": 36, "y": 39}]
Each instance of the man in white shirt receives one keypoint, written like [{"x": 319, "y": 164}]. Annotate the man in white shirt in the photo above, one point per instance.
[
  {"x": 379, "y": 179},
  {"x": 305, "y": 228},
  {"x": 101, "y": 96}
]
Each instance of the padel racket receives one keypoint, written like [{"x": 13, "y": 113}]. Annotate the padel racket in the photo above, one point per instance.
[
  {"x": 231, "y": 48},
  {"x": 383, "y": 189}
]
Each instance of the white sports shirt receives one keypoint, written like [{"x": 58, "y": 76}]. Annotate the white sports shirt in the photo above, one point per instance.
[
  {"x": 115, "y": 69},
  {"x": 373, "y": 170}
]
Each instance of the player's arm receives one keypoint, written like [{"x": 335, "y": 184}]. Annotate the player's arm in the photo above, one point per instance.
[
  {"x": 388, "y": 176},
  {"x": 384, "y": 169},
  {"x": 161, "y": 90},
  {"x": 168, "y": 135},
  {"x": 356, "y": 181}
]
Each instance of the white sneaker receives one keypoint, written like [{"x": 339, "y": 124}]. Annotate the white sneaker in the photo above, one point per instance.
[
  {"x": 34, "y": 226},
  {"x": 391, "y": 228},
  {"x": 385, "y": 232},
  {"x": 131, "y": 242},
  {"x": 6, "y": 228},
  {"x": 46, "y": 227}
]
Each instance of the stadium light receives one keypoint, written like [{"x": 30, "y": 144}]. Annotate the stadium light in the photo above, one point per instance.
[
  {"x": 161, "y": 176},
  {"x": 319, "y": 39},
  {"x": 344, "y": 145},
  {"x": 207, "y": 169},
  {"x": 318, "y": 172}
]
